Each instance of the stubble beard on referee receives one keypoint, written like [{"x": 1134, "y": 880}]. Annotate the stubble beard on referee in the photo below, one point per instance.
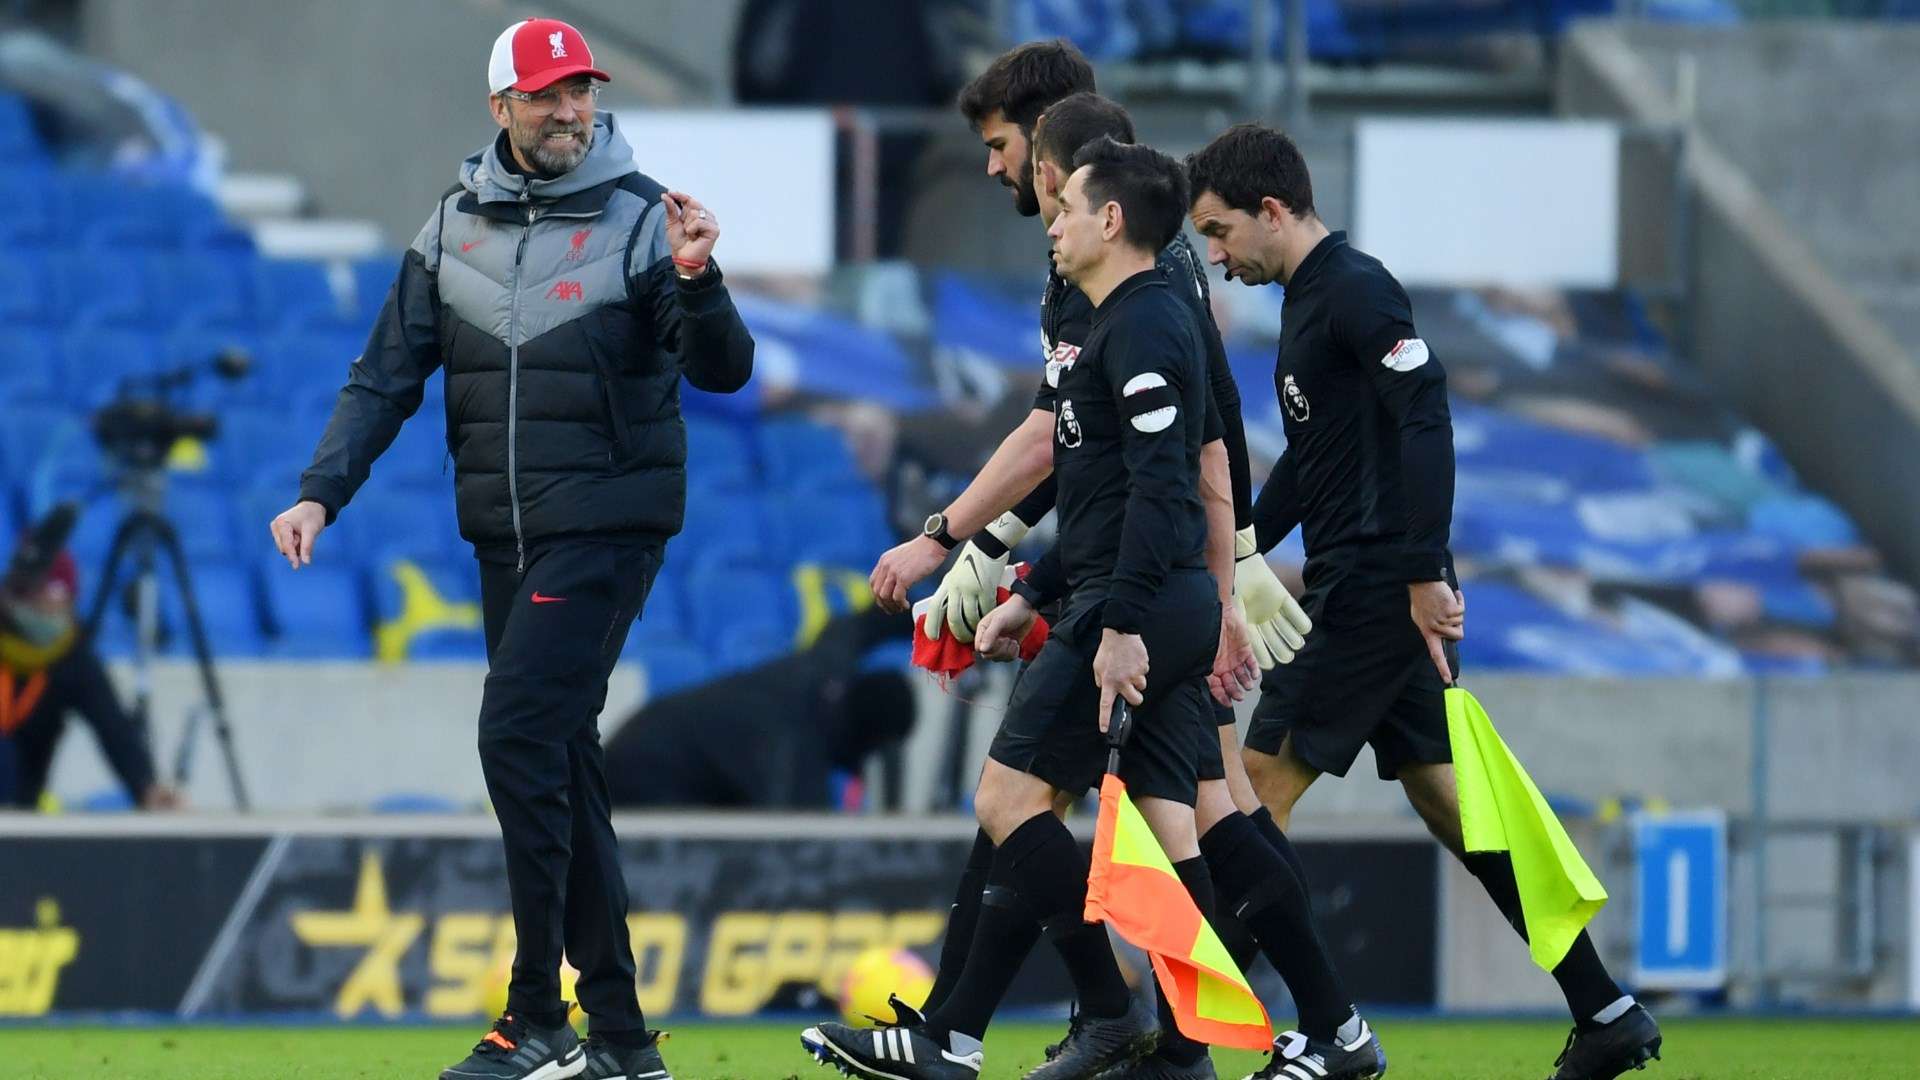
[{"x": 553, "y": 159}]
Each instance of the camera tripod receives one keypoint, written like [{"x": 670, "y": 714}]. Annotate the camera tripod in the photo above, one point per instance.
[{"x": 141, "y": 537}]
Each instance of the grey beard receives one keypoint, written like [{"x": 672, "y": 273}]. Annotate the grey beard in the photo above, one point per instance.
[{"x": 555, "y": 163}]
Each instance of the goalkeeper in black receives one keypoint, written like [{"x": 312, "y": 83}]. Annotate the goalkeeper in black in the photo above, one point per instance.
[{"x": 1368, "y": 476}]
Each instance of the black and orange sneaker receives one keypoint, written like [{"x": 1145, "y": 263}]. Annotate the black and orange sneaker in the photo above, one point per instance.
[{"x": 517, "y": 1050}]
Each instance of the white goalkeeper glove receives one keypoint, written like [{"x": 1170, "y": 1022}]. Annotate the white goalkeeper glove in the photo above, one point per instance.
[
  {"x": 1279, "y": 625},
  {"x": 971, "y": 587}
]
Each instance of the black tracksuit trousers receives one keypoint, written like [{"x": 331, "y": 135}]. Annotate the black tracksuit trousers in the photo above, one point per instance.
[{"x": 553, "y": 635}]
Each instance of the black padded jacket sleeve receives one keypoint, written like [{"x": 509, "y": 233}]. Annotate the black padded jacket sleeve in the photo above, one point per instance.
[
  {"x": 694, "y": 318},
  {"x": 384, "y": 388}
]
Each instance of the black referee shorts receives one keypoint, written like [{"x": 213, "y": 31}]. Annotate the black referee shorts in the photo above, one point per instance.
[
  {"x": 1212, "y": 765},
  {"x": 1363, "y": 678},
  {"x": 1052, "y": 726}
]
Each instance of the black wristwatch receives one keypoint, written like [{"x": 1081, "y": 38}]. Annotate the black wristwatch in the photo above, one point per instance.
[{"x": 936, "y": 530}]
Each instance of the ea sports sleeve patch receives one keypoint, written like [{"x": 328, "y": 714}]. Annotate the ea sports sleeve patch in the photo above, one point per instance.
[
  {"x": 1149, "y": 403},
  {"x": 1406, "y": 355}
]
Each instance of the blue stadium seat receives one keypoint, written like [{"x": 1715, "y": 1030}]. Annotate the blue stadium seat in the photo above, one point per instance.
[
  {"x": 667, "y": 603},
  {"x": 719, "y": 456},
  {"x": 203, "y": 515},
  {"x": 800, "y": 454},
  {"x": 207, "y": 287},
  {"x": 30, "y": 367},
  {"x": 728, "y": 598},
  {"x": 448, "y": 644},
  {"x": 103, "y": 287},
  {"x": 723, "y": 528},
  {"x": 418, "y": 455},
  {"x": 286, "y": 289},
  {"x": 98, "y": 358},
  {"x": 255, "y": 439},
  {"x": 373, "y": 278},
  {"x": 293, "y": 363},
  {"x": 196, "y": 345},
  {"x": 671, "y": 668},
  {"x": 452, "y": 579},
  {"x": 19, "y": 138},
  {"x": 229, "y": 603},
  {"x": 27, "y": 294},
  {"x": 120, "y": 211},
  {"x": 745, "y": 645},
  {"x": 130, "y": 232},
  {"x": 845, "y": 527},
  {"x": 318, "y": 611},
  {"x": 30, "y": 432}
]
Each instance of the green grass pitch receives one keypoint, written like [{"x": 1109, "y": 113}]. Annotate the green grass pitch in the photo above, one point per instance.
[{"x": 1773, "y": 1049}]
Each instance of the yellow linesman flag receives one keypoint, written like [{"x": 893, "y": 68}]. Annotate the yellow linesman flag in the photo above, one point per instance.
[
  {"x": 1501, "y": 810},
  {"x": 1134, "y": 889}
]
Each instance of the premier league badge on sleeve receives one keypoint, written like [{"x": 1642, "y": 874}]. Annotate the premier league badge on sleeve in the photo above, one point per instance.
[
  {"x": 1294, "y": 400},
  {"x": 1067, "y": 425}
]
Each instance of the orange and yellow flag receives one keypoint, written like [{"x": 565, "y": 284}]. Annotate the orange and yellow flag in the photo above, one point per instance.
[{"x": 1134, "y": 889}]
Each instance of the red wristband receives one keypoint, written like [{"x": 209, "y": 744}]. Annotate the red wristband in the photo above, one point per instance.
[{"x": 698, "y": 266}]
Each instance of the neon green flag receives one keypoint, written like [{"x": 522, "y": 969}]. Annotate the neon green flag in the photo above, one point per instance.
[{"x": 1501, "y": 810}]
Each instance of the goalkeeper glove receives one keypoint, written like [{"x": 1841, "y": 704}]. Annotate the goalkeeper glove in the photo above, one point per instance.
[
  {"x": 971, "y": 587},
  {"x": 1278, "y": 623}
]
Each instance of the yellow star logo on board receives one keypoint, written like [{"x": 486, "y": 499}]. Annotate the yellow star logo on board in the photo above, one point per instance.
[{"x": 372, "y": 925}]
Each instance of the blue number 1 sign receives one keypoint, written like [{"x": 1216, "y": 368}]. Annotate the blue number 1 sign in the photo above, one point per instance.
[{"x": 1682, "y": 911}]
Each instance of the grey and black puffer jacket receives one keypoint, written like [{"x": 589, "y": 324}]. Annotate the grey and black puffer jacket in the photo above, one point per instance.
[{"x": 564, "y": 329}]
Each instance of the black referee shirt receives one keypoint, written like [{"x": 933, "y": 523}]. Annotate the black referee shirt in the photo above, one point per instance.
[
  {"x": 1066, "y": 317},
  {"x": 1127, "y": 430},
  {"x": 1369, "y": 458}
]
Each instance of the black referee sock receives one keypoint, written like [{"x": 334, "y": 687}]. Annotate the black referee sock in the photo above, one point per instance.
[
  {"x": 1052, "y": 874},
  {"x": 1256, "y": 884},
  {"x": 1263, "y": 820},
  {"x": 1004, "y": 933},
  {"x": 1582, "y": 977},
  {"x": 1240, "y": 942},
  {"x": 962, "y": 918},
  {"x": 1174, "y": 1046}
]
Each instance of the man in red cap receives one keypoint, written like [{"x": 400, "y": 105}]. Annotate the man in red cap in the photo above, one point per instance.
[{"x": 566, "y": 294}]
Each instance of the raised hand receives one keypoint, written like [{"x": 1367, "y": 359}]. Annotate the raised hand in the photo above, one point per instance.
[{"x": 692, "y": 230}]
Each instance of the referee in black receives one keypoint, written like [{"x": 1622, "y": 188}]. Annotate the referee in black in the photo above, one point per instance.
[{"x": 1368, "y": 476}]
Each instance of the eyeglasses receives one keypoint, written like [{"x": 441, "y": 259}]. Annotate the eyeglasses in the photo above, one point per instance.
[{"x": 579, "y": 95}]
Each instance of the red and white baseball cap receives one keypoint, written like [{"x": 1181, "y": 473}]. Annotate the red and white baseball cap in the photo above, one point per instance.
[{"x": 532, "y": 54}]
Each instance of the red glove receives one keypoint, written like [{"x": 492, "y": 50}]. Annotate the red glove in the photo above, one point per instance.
[{"x": 947, "y": 658}]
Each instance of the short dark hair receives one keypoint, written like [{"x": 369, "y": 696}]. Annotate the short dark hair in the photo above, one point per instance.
[
  {"x": 1023, "y": 81},
  {"x": 1076, "y": 120},
  {"x": 1249, "y": 162},
  {"x": 1150, "y": 187}
]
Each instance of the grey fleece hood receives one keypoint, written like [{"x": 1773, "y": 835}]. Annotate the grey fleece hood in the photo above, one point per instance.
[{"x": 609, "y": 158}]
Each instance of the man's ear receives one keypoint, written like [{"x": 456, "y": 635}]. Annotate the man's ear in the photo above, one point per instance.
[
  {"x": 497, "y": 104},
  {"x": 1049, "y": 178},
  {"x": 1113, "y": 222},
  {"x": 1273, "y": 212}
]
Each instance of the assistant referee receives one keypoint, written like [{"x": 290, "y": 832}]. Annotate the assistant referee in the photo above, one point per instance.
[
  {"x": 1368, "y": 476},
  {"x": 566, "y": 294}
]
